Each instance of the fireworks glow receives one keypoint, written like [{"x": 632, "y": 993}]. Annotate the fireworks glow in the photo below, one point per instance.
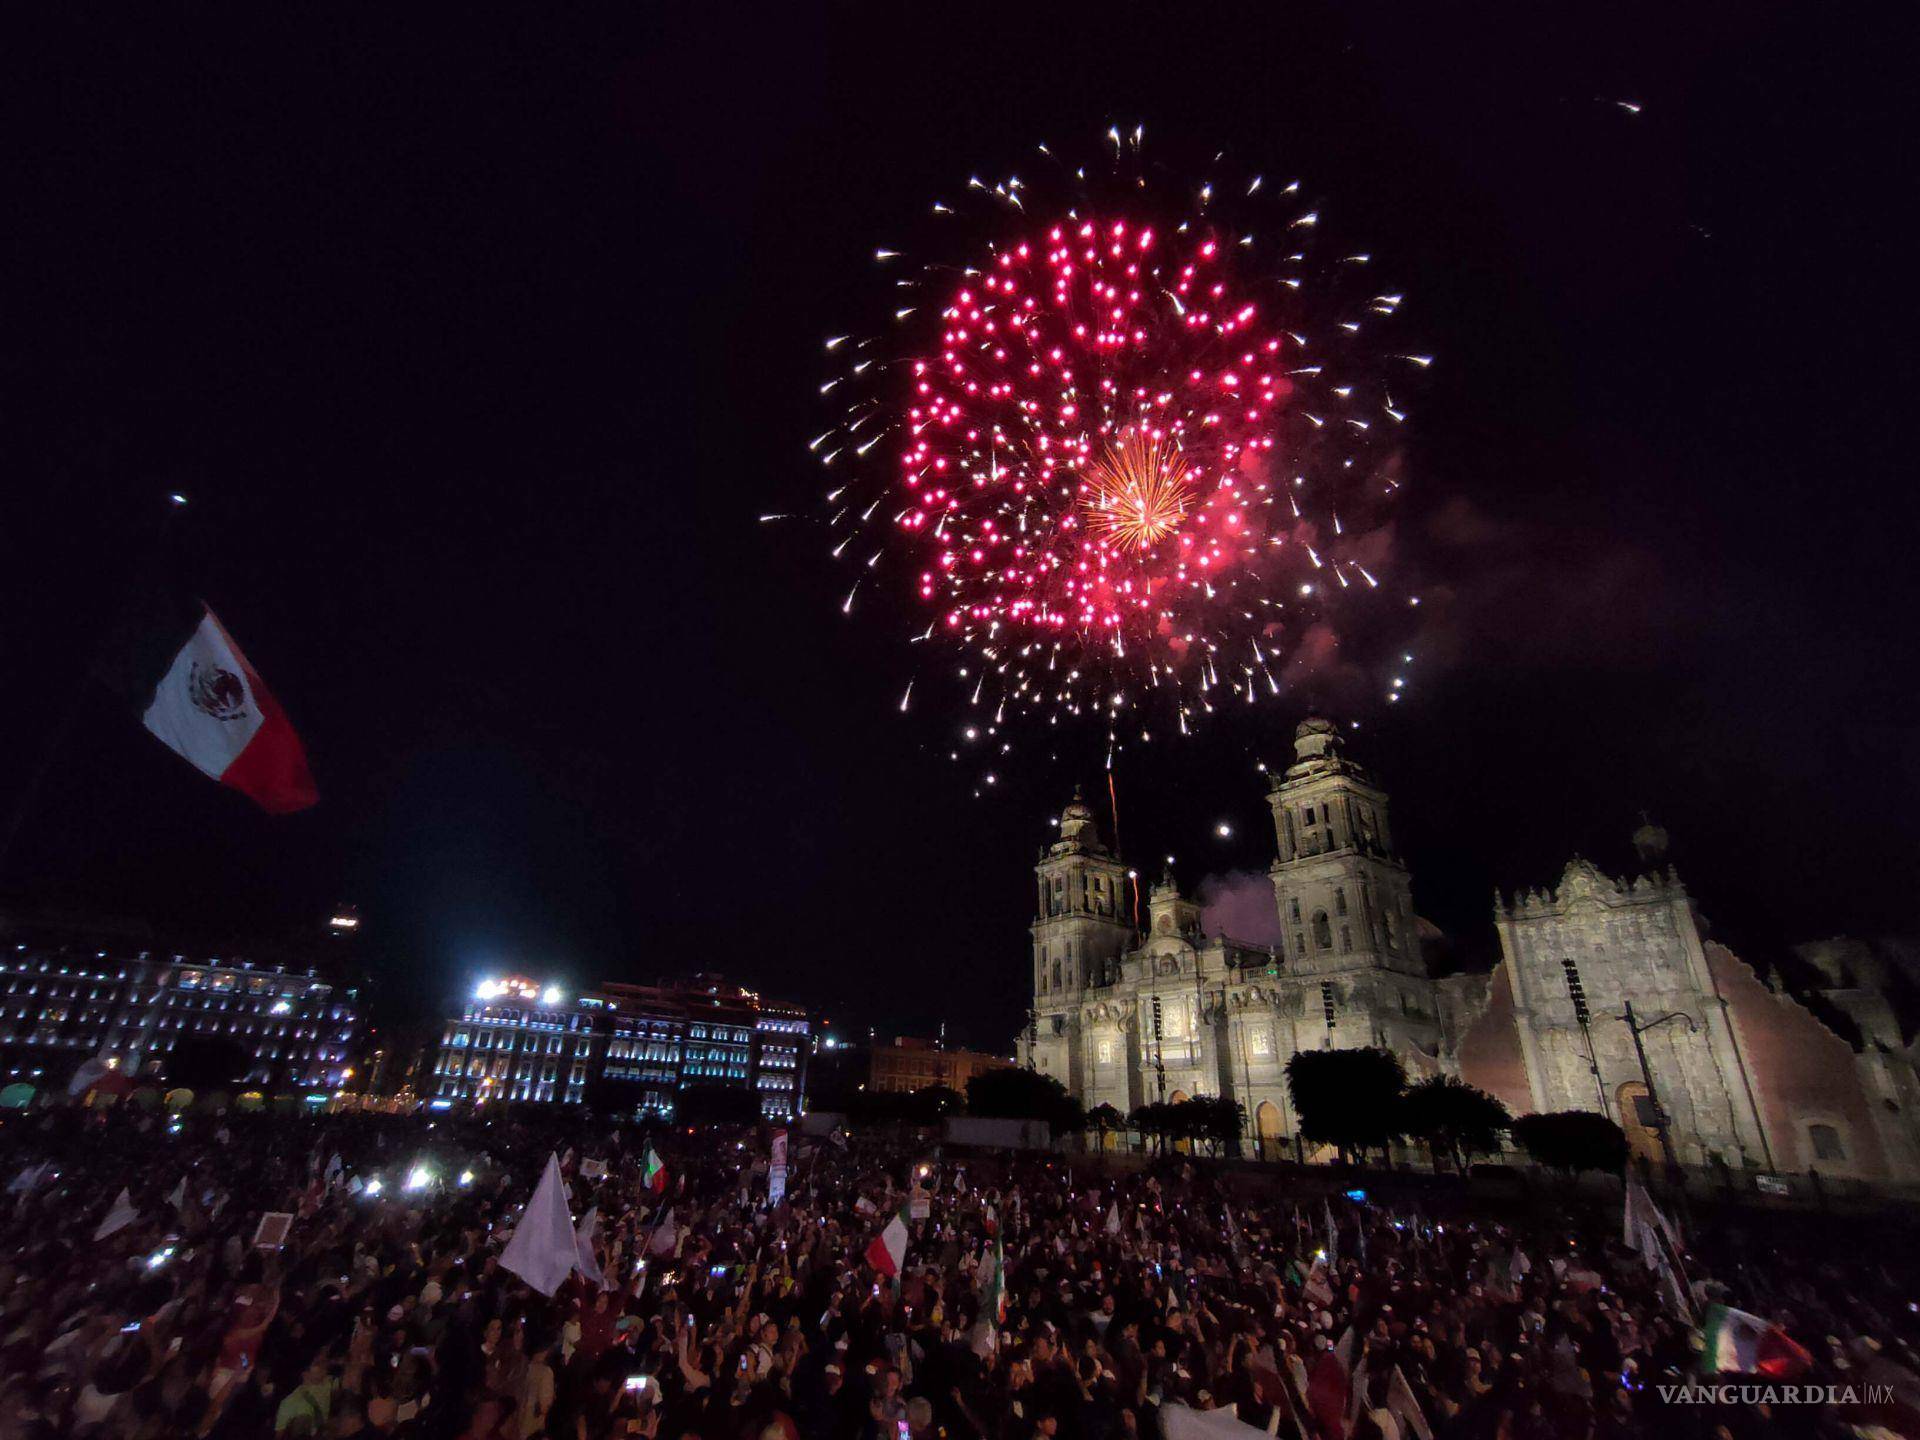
[{"x": 1124, "y": 450}]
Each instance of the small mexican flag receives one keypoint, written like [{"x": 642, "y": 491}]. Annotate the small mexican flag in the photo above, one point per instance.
[
  {"x": 889, "y": 1248},
  {"x": 1743, "y": 1344},
  {"x": 997, "y": 1285},
  {"x": 654, "y": 1176}
]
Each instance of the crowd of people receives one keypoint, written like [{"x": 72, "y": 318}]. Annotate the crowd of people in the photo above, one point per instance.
[{"x": 255, "y": 1276}]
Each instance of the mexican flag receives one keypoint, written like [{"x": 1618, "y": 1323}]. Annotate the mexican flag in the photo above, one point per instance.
[
  {"x": 205, "y": 703},
  {"x": 996, "y": 1288},
  {"x": 654, "y": 1175},
  {"x": 1743, "y": 1344},
  {"x": 889, "y": 1248}
]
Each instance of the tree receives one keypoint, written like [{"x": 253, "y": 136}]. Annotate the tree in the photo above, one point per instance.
[
  {"x": 1212, "y": 1118},
  {"x": 1010, "y": 1094},
  {"x": 614, "y": 1097},
  {"x": 1453, "y": 1116},
  {"x": 1572, "y": 1140},
  {"x": 1154, "y": 1120},
  {"x": 930, "y": 1104},
  {"x": 1349, "y": 1099},
  {"x": 1103, "y": 1120},
  {"x": 206, "y": 1062},
  {"x": 717, "y": 1105}
]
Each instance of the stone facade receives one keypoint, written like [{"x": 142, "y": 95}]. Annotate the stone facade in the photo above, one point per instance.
[
  {"x": 1123, "y": 1018},
  {"x": 1748, "y": 1073}
]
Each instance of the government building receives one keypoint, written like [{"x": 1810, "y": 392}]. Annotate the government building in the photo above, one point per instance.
[
  {"x": 696, "y": 1045},
  {"x": 1765, "y": 1073}
]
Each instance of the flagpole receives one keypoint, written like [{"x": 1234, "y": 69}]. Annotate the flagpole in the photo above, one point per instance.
[{"x": 78, "y": 695}]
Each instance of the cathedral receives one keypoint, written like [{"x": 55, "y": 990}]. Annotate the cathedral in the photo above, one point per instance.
[{"x": 1603, "y": 986}]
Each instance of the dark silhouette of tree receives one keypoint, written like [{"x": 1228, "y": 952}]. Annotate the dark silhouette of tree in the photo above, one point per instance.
[
  {"x": 1349, "y": 1099},
  {"x": 1210, "y": 1118},
  {"x": 933, "y": 1103},
  {"x": 1572, "y": 1140},
  {"x": 207, "y": 1062},
  {"x": 1104, "y": 1120},
  {"x": 717, "y": 1105},
  {"x": 1453, "y": 1117},
  {"x": 613, "y": 1097},
  {"x": 1010, "y": 1094},
  {"x": 1154, "y": 1120}
]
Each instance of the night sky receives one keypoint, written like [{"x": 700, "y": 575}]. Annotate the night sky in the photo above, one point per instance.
[{"x": 481, "y": 344}]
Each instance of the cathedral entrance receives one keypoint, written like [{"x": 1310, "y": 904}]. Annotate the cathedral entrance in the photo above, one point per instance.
[
  {"x": 1267, "y": 1126},
  {"x": 1639, "y": 1119}
]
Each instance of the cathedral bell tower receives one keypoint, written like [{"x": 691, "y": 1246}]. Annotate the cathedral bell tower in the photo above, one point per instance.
[
  {"x": 1080, "y": 930},
  {"x": 1345, "y": 900}
]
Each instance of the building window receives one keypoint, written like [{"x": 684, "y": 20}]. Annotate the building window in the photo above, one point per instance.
[
  {"x": 1827, "y": 1144},
  {"x": 1346, "y": 940},
  {"x": 1322, "y": 931},
  {"x": 1293, "y": 909},
  {"x": 1339, "y": 901},
  {"x": 1308, "y": 815}
]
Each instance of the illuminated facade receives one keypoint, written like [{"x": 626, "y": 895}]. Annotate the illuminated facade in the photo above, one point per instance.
[
  {"x": 523, "y": 1041},
  {"x": 60, "y": 1004},
  {"x": 909, "y": 1064},
  {"x": 1122, "y": 1017}
]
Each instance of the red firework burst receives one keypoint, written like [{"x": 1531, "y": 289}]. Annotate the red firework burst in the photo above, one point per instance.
[{"x": 1128, "y": 450}]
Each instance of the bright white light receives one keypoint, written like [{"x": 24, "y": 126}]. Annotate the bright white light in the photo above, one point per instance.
[
  {"x": 487, "y": 989},
  {"x": 419, "y": 1178},
  {"x": 1223, "y": 830},
  {"x": 373, "y": 1188},
  {"x": 281, "y": 1007},
  {"x": 177, "y": 498},
  {"x": 466, "y": 1177},
  {"x": 550, "y": 995}
]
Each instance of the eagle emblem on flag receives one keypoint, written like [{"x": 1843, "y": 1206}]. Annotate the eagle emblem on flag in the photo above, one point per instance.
[{"x": 216, "y": 692}]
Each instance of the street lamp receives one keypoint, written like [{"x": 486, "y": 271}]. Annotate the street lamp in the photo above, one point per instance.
[{"x": 1639, "y": 1028}]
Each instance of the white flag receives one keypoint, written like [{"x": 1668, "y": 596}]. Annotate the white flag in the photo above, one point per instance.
[
  {"x": 665, "y": 1235},
  {"x": 30, "y": 1178},
  {"x": 583, "y": 1243},
  {"x": 118, "y": 1218},
  {"x": 1113, "y": 1218},
  {"x": 543, "y": 1251},
  {"x": 178, "y": 1199}
]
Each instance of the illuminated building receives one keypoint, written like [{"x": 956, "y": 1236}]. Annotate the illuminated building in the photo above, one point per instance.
[
  {"x": 636, "y": 1048},
  {"x": 909, "y": 1064},
  {"x": 61, "y": 1003},
  {"x": 1610, "y": 995}
]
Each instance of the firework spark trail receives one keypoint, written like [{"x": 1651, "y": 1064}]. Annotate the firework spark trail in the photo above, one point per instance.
[{"x": 1115, "y": 432}]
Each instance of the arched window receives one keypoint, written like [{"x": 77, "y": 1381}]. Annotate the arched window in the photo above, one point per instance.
[
  {"x": 1826, "y": 1141},
  {"x": 1340, "y": 901},
  {"x": 1056, "y": 974},
  {"x": 1322, "y": 931}
]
